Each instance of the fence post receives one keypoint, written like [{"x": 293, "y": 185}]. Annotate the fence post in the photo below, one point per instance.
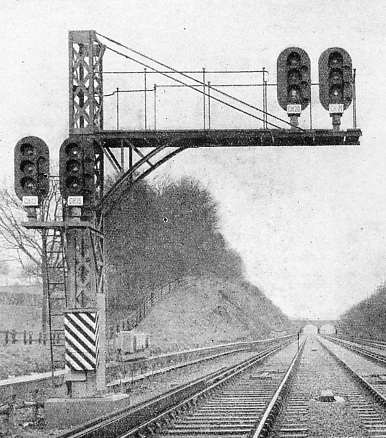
[
  {"x": 30, "y": 338},
  {"x": 35, "y": 397},
  {"x": 13, "y": 336},
  {"x": 6, "y": 337},
  {"x": 25, "y": 337},
  {"x": 10, "y": 418}
]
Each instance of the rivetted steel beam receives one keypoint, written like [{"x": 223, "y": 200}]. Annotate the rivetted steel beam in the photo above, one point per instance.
[{"x": 232, "y": 137}]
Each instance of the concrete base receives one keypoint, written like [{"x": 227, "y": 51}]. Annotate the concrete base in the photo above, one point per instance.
[{"x": 63, "y": 413}]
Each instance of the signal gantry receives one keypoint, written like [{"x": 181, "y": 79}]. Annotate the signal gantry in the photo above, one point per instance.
[{"x": 82, "y": 162}]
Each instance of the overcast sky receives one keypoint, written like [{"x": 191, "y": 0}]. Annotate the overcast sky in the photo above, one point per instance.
[{"x": 308, "y": 222}]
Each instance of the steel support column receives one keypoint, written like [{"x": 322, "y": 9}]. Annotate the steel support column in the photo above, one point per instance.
[
  {"x": 84, "y": 242},
  {"x": 85, "y": 281},
  {"x": 85, "y": 82}
]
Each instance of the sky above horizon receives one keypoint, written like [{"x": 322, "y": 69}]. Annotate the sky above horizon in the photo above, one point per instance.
[{"x": 309, "y": 223}]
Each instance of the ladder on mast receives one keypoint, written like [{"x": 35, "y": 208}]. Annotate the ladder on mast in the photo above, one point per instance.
[{"x": 56, "y": 269}]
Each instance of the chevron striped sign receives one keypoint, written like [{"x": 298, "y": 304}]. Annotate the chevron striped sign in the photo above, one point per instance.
[{"x": 81, "y": 331}]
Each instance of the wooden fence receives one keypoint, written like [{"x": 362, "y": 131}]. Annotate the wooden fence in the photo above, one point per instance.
[
  {"x": 27, "y": 337},
  {"x": 136, "y": 316}
]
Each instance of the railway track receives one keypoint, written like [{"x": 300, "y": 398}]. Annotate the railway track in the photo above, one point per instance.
[
  {"x": 380, "y": 345},
  {"x": 144, "y": 368},
  {"x": 154, "y": 416},
  {"x": 329, "y": 398},
  {"x": 321, "y": 397},
  {"x": 368, "y": 400},
  {"x": 365, "y": 352},
  {"x": 246, "y": 408},
  {"x": 286, "y": 392},
  {"x": 241, "y": 408},
  {"x": 127, "y": 373}
]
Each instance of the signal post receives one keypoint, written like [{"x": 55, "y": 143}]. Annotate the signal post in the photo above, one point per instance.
[
  {"x": 336, "y": 82},
  {"x": 294, "y": 82},
  {"x": 85, "y": 321},
  {"x": 83, "y": 318}
]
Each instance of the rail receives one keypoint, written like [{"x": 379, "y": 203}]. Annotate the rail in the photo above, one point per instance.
[
  {"x": 366, "y": 385},
  {"x": 365, "y": 341},
  {"x": 24, "y": 386},
  {"x": 360, "y": 350},
  {"x": 130, "y": 371},
  {"x": 265, "y": 425},
  {"x": 148, "y": 416}
]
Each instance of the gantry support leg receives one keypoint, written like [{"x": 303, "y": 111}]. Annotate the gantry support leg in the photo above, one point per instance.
[{"x": 85, "y": 319}]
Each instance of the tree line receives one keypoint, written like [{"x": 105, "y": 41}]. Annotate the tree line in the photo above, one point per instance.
[
  {"x": 161, "y": 233},
  {"x": 157, "y": 234},
  {"x": 367, "y": 318}
]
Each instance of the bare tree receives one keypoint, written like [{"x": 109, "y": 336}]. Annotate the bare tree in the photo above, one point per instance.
[{"x": 31, "y": 248}]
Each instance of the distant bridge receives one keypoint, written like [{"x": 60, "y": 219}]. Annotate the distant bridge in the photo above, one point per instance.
[{"x": 300, "y": 323}]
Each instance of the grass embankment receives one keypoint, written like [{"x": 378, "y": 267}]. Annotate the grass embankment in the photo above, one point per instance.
[
  {"x": 20, "y": 359},
  {"x": 209, "y": 311},
  {"x": 19, "y": 318},
  {"x": 200, "y": 312}
]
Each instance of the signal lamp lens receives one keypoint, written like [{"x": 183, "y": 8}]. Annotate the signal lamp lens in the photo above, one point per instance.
[
  {"x": 73, "y": 166},
  {"x": 74, "y": 185},
  {"x": 293, "y": 60},
  {"x": 305, "y": 72},
  {"x": 27, "y": 149},
  {"x": 335, "y": 61},
  {"x": 294, "y": 95},
  {"x": 28, "y": 184},
  {"x": 27, "y": 167},
  {"x": 336, "y": 77},
  {"x": 294, "y": 76},
  {"x": 336, "y": 94},
  {"x": 73, "y": 150}
]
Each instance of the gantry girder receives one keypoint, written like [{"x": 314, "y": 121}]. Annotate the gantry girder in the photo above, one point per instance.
[
  {"x": 153, "y": 148},
  {"x": 231, "y": 137}
]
